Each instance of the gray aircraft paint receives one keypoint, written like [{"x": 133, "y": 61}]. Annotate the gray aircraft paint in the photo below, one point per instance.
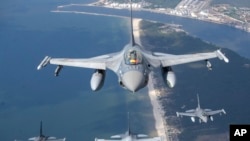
[{"x": 202, "y": 114}]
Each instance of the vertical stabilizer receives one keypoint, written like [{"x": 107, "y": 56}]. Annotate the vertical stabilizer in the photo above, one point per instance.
[
  {"x": 41, "y": 129},
  {"x": 131, "y": 24},
  {"x": 198, "y": 99},
  {"x": 129, "y": 132}
]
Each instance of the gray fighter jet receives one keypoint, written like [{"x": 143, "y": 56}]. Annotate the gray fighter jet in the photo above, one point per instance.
[
  {"x": 202, "y": 114},
  {"x": 42, "y": 137},
  {"x": 129, "y": 136},
  {"x": 132, "y": 64}
]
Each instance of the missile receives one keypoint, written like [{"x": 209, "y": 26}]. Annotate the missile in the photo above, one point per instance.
[
  {"x": 221, "y": 56},
  {"x": 177, "y": 113},
  {"x": 58, "y": 69},
  {"x": 44, "y": 62},
  {"x": 224, "y": 112},
  {"x": 209, "y": 65}
]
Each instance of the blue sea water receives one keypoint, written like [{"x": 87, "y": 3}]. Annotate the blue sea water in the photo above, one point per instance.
[
  {"x": 221, "y": 35},
  {"x": 29, "y": 31},
  {"x": 67, "y": 106}
]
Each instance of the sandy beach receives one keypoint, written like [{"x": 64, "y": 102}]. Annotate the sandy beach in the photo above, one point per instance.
[{"x": 157, "y": 109}]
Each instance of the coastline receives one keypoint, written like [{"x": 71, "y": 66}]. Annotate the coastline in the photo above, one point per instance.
[
  {"x": 158, "y": 112},
  {"x": 173, "y": 12}
]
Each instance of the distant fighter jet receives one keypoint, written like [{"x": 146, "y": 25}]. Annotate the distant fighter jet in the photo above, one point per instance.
[
  {"x": 202, "y": 114},
  {"x": 132, "y": 64},
  {"x": 128, "y": 136},
  {"x": 42, "y": 137}
]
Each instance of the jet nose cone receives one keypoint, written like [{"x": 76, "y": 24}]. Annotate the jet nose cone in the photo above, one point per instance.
[
  {"x": 205, "y": 119},
  {"x": 133, "y": 80}
]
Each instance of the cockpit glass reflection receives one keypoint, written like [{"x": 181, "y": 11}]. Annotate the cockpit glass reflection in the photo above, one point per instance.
[{"x": 133, "y": 57}]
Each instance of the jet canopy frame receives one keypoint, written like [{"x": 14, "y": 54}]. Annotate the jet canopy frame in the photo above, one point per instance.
[{"x": 133, "y": 57}]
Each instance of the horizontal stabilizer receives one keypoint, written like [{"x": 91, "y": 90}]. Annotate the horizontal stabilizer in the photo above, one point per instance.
[
  {"x": 51, "y": 138},
  {"x": 96, "y": 139},
  {"x": 32, "y": 139},
  {"x": 116, "y": 137},
  {"x": 64, "y": 139},
  {"x": 142, "y": 136},
  {"x": 190, "y": 111}
]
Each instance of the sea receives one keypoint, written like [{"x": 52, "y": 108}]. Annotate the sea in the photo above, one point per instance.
[
  {"x": 223, "y": 36},
  {"x": 65, "y": 104}
]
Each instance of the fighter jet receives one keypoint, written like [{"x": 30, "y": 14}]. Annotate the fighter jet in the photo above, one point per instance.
[
  {"x": 132, "y": 64},
  {"x": 202, "y": 114},
  {"x": 129, "y": 136},
  {"x": 42, "y": 137}
]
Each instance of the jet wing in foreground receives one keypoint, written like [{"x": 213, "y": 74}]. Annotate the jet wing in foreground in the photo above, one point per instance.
[
  {"x": 100, "y": 62},
  {"x": 171, "y": 60},
  {"x": 216, "y": 112},
  {"x": 96, "y": 139},
  {"x": 150, "y": 139},
  {"x": 185, "y": 114}
]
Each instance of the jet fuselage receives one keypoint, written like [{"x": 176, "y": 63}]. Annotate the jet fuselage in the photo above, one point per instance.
[
  {"x": 202, "y": 115},
  {"x": 134, "y": 69}
]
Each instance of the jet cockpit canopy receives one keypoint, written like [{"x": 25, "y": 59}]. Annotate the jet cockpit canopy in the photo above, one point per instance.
[{"x": 133, "y": 57}]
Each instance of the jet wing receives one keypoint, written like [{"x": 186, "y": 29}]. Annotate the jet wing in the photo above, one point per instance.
[
  {"x": 96, "y": 139},
  {"x": 216, "y": 112},
  {"x": 84, "y": 63},
  {"x": 171, "y": 60},
  {"x": 110, "y": 61},
  {"x": 149, "y": 139},
  {"x": 49, "y": 139},
  {"x": 190, "y": 114},
  {"x": 64, "y": 139}
]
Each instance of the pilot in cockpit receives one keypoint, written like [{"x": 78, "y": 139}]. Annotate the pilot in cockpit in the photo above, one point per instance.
[{"x": 133, "y": 57}]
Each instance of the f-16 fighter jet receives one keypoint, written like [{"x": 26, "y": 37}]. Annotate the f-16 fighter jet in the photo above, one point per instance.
[
  {"x": 42, "y": 137},
  {"x": 132, "y": 64},
  {"x": 202, "y": 114},
  {"x": 129, "y": 136}
]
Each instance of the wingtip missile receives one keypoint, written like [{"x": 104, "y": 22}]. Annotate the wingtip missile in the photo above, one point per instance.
[
  {"x": 44, "y": 62},
  {"x": 222, "y": 56},
  {"x": 177, "y": 114},
  {"x": 224, "y": 112}
]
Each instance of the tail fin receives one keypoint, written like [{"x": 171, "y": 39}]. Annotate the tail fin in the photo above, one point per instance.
[
  {"x": 129, "y": 132},
  {"x": 198, "y": 101},
  {"x": 41, "y": 129},
  {"x": 131, "y": 24}
]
